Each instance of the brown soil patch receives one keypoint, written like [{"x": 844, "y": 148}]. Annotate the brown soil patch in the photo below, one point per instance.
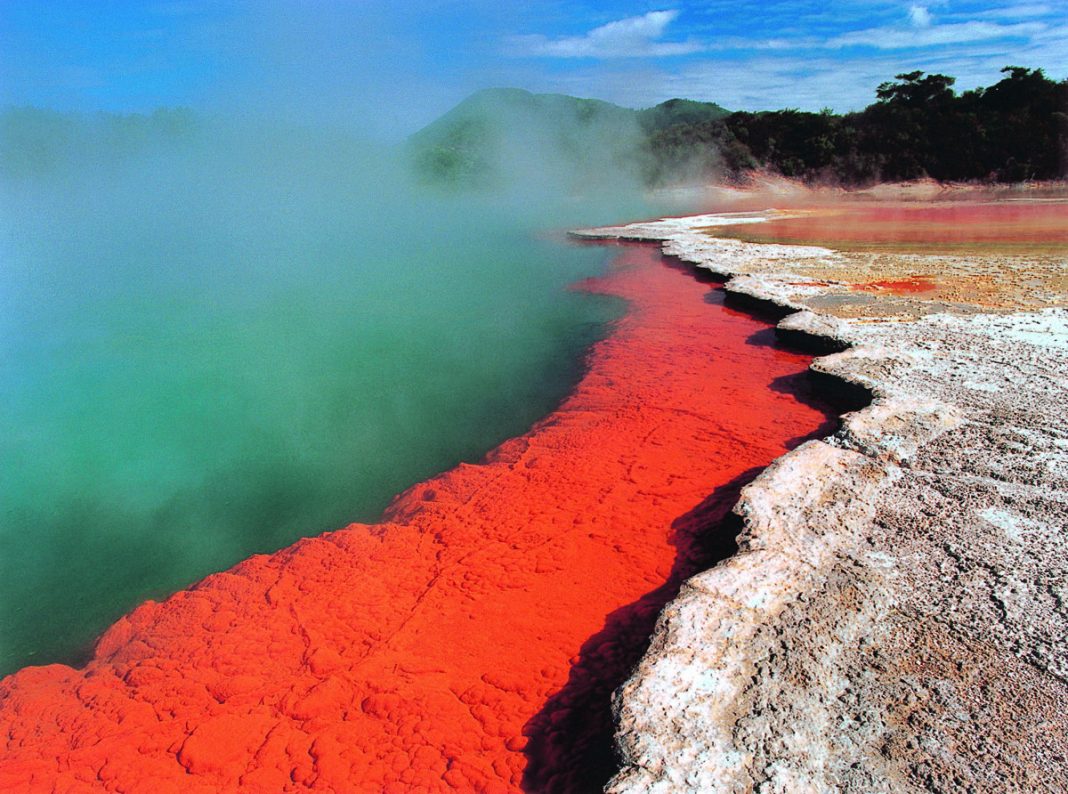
[{"x": 898, "y": 259}]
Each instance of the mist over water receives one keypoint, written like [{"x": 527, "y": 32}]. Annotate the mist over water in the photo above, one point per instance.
[{"x": 218, "y": 337}]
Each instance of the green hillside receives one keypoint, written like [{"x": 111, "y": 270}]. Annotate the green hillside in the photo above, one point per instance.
[
  {"x": 1016, "y": 129},
  {"x": 495, "y": 133},
  {"x": 680, "y": 111}
]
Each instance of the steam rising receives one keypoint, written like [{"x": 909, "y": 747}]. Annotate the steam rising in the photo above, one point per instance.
[{"x": 219, "y": 336}]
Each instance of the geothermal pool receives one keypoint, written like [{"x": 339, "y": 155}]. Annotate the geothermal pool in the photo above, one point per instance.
[
  {"x": 470, "y": 640},
  {"x": 224, "y": 342}
]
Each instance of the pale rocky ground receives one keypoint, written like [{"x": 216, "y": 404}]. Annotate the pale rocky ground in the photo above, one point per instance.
[{"x": 897, "y": 614}]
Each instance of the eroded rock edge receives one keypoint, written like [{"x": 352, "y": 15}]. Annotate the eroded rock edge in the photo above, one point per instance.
[{"x": 793, "y": 665}]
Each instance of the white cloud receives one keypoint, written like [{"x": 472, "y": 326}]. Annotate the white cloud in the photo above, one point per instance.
[
  {"x": 919, "y": 16},
  {"x": 1048, "y": 50},
  {"x": 1023, "y": 11},
  {"x": 888, "y": 38},
  {"x": 807, "y": 71},
  {"x": 633, "y": 37},
  {"x": 809, "y": 81},
  {"x": 771, "y": 83}
]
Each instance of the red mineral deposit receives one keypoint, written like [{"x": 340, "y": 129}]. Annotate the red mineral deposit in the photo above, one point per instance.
[
  {"x": 902, "y": 286},
  {"x": 471, "y": 640}
]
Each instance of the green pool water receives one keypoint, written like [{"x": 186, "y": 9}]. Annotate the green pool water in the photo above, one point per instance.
[{"x": 211, "y": 347}]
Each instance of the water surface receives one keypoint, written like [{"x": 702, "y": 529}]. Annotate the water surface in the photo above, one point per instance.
[{"x": 218, "y": 340}]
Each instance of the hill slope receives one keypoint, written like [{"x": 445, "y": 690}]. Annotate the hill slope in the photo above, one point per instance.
[
  {"x": 918, "y": 126},
  {"x": 501, "y": 133}
]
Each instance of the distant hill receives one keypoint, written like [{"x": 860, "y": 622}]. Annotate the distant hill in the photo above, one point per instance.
[
  {"x": 493, "y": 110},
  {"x": 1015, "y": 130},
  {"x": 502, "y": 133},
  {"x": 34, "y": 141},
  {"x": 680, "y": 111},
  {"x": 496, "y": 132}
]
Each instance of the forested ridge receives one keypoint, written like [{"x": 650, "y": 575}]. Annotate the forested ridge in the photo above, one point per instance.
[
  {"x": 1015, "y": 130},
  {"x": 918, "y": 126}
]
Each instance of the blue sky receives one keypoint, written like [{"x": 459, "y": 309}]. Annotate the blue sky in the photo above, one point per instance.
[{"x": 394, "y": 66}]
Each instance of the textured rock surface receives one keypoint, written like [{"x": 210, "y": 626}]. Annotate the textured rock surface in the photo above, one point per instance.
[
  {"x": 473, "y": 641},
  {"x": 896, "y": 617}
]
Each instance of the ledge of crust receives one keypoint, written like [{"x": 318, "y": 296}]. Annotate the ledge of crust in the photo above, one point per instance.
[{"x": 797, "y": 664}]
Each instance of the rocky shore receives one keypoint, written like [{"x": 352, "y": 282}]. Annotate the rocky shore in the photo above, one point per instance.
[
  {"x": 470, "y": 641},
  {"x": 895, "y": 617}
]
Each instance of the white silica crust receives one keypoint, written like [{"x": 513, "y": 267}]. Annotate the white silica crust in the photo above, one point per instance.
[{"x": 896, "y": 616}]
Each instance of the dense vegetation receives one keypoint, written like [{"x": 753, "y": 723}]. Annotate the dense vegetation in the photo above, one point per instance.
[{"x": 1015, "y": 130}]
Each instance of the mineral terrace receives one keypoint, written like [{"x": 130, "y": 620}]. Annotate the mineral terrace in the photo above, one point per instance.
[{"x": 896, "y": 616}]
